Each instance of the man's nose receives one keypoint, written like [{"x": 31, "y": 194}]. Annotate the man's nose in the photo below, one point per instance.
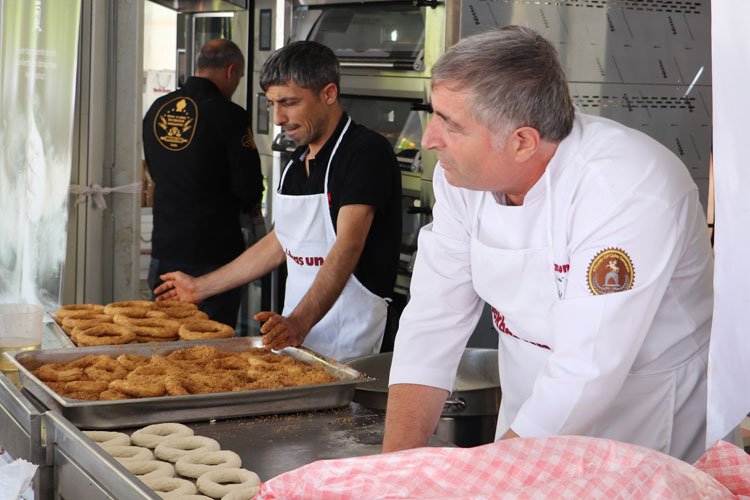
[
  {"x": 430, "y": 138},
  {"x": 279, "y": 117}
]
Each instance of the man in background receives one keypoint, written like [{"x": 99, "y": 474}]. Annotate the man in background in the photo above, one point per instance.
[{"x": 200, "y": 152}]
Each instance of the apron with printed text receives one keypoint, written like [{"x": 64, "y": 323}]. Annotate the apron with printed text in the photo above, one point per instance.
[
  {"x": 521, "y": 286},
  {"x": 355, "y": 324}
]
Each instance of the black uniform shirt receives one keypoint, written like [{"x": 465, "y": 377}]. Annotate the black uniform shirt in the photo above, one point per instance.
[
  {"x": 201, "y": 155},
  {"x": 364, "y": 171}
]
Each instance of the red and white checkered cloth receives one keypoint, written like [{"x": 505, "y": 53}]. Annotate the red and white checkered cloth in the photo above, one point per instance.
[{"x": 540, "y": 468}]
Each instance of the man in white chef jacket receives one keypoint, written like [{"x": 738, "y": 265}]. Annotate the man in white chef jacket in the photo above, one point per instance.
[{"x": 585, "y": 237}]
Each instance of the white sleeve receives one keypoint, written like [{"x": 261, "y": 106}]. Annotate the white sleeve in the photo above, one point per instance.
[
  {"x": 444, "y": 308},
  {"x": 597, "y": 338}
]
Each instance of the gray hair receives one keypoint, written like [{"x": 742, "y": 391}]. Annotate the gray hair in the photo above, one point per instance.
[
  {"x": 310, "y": 65},
  {"x": 218, "y": 54},
  {"x": 513, "y": 79}
]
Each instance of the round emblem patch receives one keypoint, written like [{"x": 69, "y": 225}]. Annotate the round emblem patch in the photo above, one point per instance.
[
  {"x": 611, "y": 270},
  {"x": 174, "y": 124}
]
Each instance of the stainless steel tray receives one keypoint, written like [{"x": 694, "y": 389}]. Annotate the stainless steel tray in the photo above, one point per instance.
[{"x": 132, "y": 412}]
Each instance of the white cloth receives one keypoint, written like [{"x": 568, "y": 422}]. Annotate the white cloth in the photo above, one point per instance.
[
  {"x": 729, "y": 360},
  {"x": 355, "y": 324},
  {"x": 611, "y": 187}
]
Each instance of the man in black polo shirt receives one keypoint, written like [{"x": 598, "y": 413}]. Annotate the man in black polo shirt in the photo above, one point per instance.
[
  {"x": 201, "y": 155},
  {"x": 337, "y": 212}
]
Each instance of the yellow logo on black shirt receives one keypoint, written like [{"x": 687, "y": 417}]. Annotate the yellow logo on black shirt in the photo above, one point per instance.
[
  {"x": 248, "y": 141},
  {"x": 174, "y": 124}
]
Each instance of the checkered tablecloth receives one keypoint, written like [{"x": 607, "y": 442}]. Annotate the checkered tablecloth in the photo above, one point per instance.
[{"x": 540, "y": 468}]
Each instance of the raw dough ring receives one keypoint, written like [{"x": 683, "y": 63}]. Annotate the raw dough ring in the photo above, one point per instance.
[
  {"x": 173, "y": 448},
  {"x": 108, "y": 438},
  {"x": 149, "y": 468},
  {"x": 152, "y": 435},
  {"x": 169, "y": 485},
  {"x": 195, "y": 464},
  {"x": 219, "y": 482},
  {"x": 179, "y": 496},
  {"x": 241, "y": 493},
  {"x": 125, "y": 453}
]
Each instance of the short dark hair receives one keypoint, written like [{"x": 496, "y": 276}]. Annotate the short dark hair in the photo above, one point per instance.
[
  {"x": 219, "y": 53},
  {"x": 513, "y": 78},
  {"x": 310, "y": 65}
]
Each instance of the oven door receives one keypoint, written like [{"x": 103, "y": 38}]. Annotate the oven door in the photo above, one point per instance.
[{"x": 397, "y": 37}]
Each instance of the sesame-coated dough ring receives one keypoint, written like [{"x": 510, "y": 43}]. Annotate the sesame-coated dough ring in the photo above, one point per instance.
[
  {"x": 52, "y": 373},
  {"x": 171, "y": 485},
  {"x": 117, "y": 307},
  {"x": 76, "y": 309},
  {"x": 143, "y": 386},
  {"x": 152, "y": 435},
  {"x": 149, "y": 468},
  {"x": 124, "y": 453},
  {"x": 108, "y": 438},
  {"x": 84, "y": 320},
  {"x": 103, "y": 334},
  {"x": 169, "y": 304},
  {"x": 217, "y": 483},
  {"x": 184, "y": 314},
  {"x": 126, "y": 316},
  {"x": 199, "y": 329},
  {"x": 152, "y": 327},
  {"x": 195, "y": 464},
  {"x": 173, "y": 448},
  {"x": 106, "y": 369}
]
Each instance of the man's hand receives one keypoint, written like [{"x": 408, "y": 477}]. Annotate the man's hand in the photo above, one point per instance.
[
  {"x": 280, "y": 331},
  {"x": 178, "y": 286}
]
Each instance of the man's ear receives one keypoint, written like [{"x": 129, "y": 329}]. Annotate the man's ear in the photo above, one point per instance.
[
  {"x": 525, "y": 142},
  {"x": 330, "y": 93}
]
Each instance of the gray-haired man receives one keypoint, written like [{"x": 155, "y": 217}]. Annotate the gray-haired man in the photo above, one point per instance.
[{"x": 586, "y": 238}]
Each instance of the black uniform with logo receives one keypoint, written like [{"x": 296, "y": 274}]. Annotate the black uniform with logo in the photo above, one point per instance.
[{"x": 201, "y": 155}]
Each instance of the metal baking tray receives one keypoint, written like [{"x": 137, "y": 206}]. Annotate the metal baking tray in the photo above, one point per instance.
[
  {"x": 58, "y": 332},
  {"x": 194, "y": 407}
]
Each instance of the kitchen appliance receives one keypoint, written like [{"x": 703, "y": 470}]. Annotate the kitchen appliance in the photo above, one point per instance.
[{"x": 469, "y": 415}]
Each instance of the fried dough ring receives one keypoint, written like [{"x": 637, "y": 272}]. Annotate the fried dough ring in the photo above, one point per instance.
[
  {"x": 149, "y": 468},
  {"x": 144, "y": 386},
  {"x": 196, "y": 463},
  {"x": 199, "y": 329},
  {"x": 74, "y": 309},
  {"x": 112, "y": 395},
  {"x": 132, "y": 361},
  {"x": 85, "y": 386},
  {"x": 171, "y": 485},
  {"x": 143, "y": 339},
  {"x": 126, "y": 316},
  {"x": 184, "y": 314},
  {"x": 106, "y": 369},
  {"x": 118, "y": 307},
  {"x": 151, "y": 435},
  {"x": 173, "y": 448},
  {"x": 108, "y": 438},
  {"x": 53, "y": 372},
  {"x": 126, "y": 453},
  {"x": 219, "y": 482},
  {"x": 83, "y": 321},
  {"x": 104, "y": 334},
  {"x": 152, "y": 327},
  {"x": 178, "y": 304}
]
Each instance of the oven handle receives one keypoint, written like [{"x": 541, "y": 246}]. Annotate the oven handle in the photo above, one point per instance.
[{"x": 396, "y": 65}]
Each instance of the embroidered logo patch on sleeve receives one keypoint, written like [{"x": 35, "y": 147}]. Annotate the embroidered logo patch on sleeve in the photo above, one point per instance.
[
  {"x": 611, "y": 270},
  {"x": 248, "y": 141},
  {"x": 174, "y": 124}
]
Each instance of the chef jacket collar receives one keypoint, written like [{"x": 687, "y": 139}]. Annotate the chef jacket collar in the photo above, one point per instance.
[{"x": 565, "y": 153}]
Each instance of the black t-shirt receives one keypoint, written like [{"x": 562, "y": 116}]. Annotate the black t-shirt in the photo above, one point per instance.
[
  {"x": 201, "y": 155},
  {"x": 364, "y": 171}
]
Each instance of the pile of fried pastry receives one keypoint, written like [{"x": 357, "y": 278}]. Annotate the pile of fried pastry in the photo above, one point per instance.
[
  {"x": 137, "y": 321},
  {"x": 196, "y": 370}
]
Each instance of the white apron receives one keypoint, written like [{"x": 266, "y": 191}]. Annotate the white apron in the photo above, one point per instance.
[
  {"x": 355, "y": 324},
  {"x": 521, "y": 287}
]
